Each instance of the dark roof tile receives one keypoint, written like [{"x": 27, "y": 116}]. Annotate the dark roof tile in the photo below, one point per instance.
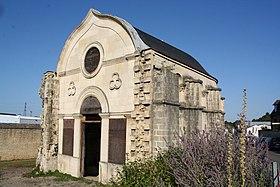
[
  {"x": 277, "y": 102},
  {"x": 171, "y": 52}
]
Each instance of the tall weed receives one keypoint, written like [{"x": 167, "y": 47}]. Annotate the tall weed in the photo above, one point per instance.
[{"x": 202, "y": 159}]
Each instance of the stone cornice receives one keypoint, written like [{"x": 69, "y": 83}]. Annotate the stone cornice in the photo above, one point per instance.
[
  {"x": 167, "y": 102},
  {"x": 211, "y": 88},
  {"x": 183, "y": 106},
  {"x": 214, "y": 111}
]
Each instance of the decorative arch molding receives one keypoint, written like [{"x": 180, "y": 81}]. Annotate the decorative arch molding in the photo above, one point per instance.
[
  {"x": 92, "y": 14},
  {"x": 95, "y": 92},
  {"x": 91, "y": 105}
]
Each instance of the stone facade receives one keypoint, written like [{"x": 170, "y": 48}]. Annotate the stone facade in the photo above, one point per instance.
[{"x": 119, "y": 94}]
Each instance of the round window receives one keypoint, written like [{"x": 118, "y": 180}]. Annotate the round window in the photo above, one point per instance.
[{"x": 92, "y": 60}]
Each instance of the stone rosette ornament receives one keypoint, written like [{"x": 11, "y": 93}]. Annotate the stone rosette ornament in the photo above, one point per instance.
[
  {"x": 71, "y": 89},
  {"x": 116, "y": 82}
]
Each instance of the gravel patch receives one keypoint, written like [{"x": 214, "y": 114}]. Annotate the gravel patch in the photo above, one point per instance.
[{"x": 11, "y": 177}]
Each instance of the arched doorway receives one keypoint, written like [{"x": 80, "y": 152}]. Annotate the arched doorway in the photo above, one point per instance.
[{"x": 90, "y": 109}]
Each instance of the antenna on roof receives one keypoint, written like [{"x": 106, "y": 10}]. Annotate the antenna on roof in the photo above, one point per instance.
[{"x": 24, "y": 111}]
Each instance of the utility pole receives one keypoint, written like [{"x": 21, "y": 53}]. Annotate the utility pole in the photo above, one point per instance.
[{"x": 24, "y": 111}]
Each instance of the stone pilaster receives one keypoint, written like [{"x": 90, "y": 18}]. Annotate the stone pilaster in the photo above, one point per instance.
[
  {"x": 191, "y": 104},
  {"x": 140, "y": 128},
  {"x": 165, "y": 107},
  {"x": 214, "y": 106},
  {"x": 48, "y": 150}
]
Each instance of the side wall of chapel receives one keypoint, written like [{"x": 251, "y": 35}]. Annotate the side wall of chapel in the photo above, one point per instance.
[{"x": 183, "y": 99}]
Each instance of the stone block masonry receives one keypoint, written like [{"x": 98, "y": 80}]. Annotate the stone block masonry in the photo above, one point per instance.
[
  {"x": 165, "y": 106},
  {"x": 139, "y": 86},
  {"x": 19, "y": 141},
  {"x": 48, "y": 150},
  {"x": 141, "y": 122}
]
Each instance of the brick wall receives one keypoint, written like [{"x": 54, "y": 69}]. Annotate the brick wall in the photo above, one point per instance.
[{"x": 19, "y": 141}]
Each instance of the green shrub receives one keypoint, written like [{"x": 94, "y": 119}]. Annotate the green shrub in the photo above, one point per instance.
[{"x": 145, "y": 172}]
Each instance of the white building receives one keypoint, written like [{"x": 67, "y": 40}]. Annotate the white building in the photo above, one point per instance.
[
  {"x": 254, "y": 127},
  {"x": 13, "y": 118}
]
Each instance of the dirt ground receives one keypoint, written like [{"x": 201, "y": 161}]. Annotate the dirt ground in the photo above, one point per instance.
[{"x": 12, "y": 177}]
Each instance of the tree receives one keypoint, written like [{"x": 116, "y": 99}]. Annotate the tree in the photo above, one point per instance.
[{"x": 264, "y": 118}]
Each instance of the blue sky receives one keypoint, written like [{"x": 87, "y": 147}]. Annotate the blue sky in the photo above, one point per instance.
[{"x": 238, "y": 42}]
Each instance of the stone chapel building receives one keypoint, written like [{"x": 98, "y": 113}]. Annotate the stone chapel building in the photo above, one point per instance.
[{"x": 119, "y": 93}]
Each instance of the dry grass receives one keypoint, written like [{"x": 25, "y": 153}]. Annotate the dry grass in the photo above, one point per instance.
[{"x": 17, "y": 163}]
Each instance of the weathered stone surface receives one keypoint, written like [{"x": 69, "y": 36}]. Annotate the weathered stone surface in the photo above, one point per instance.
[
  {"x": 48, "y": 150},
  {"x": 140, "y": 133},
  {"x": 165, "y": 110}
]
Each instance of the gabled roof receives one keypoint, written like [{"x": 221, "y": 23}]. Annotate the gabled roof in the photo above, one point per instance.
[
  {"x": 8, "y": 114},
  {"x": 141, "y": 40},
  {"x": 171, "y": 51},
  {"x": 276, "y": 110},
  {"x": 277, "y": 102}
]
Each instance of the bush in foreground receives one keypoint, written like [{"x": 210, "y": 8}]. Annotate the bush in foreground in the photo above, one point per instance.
[
  {"x": 145, "y": 172},
  {"x": 213, "y": 159},
  {"x": 200, "y": 159}
]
